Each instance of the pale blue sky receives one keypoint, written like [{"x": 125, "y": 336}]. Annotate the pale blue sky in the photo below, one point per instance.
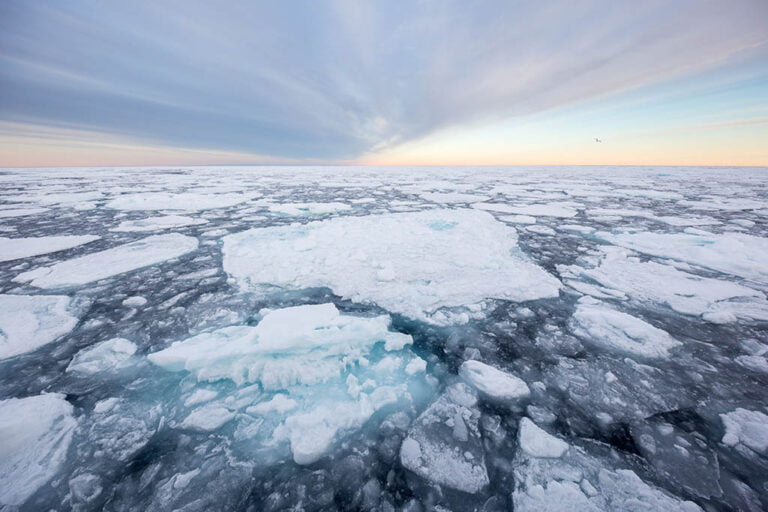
[{"x": 92, "y": 82}]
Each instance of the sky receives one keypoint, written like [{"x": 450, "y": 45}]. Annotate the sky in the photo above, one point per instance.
[{"x": 421, "y": 82}]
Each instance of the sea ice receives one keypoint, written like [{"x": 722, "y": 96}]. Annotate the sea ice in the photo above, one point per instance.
[
  {"x": 31, "y": 321},
  {"x": 186, "y": 201},
  {"x": 100, "y": 265},
  {"x": 35, "y": 432},
  {"x": 157, "y": 223},
  {"x": 108, "y": 355},
  {"x": 619, "y": 332},
  {"x": 326, "y": 366},
  {"x": 748, "y": 428},
  {"x": 308, "y": 208},
  {"x": 408, "y": 263},
  {"x": 553, "y": 476},
  {"x": 536, "y": 442},
  {"x": 16, "y": 248},
  {"x": 683, "y": 292},
  {"x": 494, "y": 383},
  {"x": 534, "y": 210},
  {"x": 731, "y": 253},
  {"x": 452, "y": 197},
  {"x": 21, "y": 212},
  {"x": 444, "y": 444}
]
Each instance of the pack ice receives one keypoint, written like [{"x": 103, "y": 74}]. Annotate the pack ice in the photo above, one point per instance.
[
  {"x": 101, "y": 265},
  {"x": 306, "y": 375},
  {"x": 28, "y": 322},
  {"x": 16, "y": 248},
  {"x": 420, "y": 264},
  {"x": 36, "y": 432}
]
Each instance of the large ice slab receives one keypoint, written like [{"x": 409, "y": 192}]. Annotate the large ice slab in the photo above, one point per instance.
[
  {"x": 684, "y": 293},
  {"x": 409, "y": 263},
  {"x": 186, "y": 201},
  {"x": 534, "y": 210},
  {"x": 16, "y": 248},
  {"x": 31, "y": 321},
  {"x": 100, "y": 265},
  {"x": 619, "y": 332},
  {"x": 324, "y": 374},
  {"x": 308, "y": 208},
  {"x": 731, "y": 253},
  {"x": 35, "y": 433},
  {"x": 158, "y": 223}
]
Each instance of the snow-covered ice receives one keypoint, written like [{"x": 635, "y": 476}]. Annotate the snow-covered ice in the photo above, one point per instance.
[
  {"x": 409, "y": 263},
  {"x": 492, "y": 382},
  {"x": 158, "y": 223},
  {"x": 368, "y": 338},
  {"x": 28, "y": 322},
  {"x": 16, "y": 248},
  {"x": 101, "y": 265},
  {"x": 36, "y": 432},
  {"x": 613, "y": 330}
]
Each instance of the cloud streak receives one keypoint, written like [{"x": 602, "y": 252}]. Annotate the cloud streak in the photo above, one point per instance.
[{"x": 335, "y": 80}]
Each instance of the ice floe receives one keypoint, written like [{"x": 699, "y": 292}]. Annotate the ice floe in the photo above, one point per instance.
[
  {"x": 108, "y": 355},
  {"x": 186, "y": 201},
  {"x": 308, "y": 208},
  {"x": 28, "y": 322},
  {"x": 683, "y": 292},
  {"x": 493, "y": 383},
  {"x": 408, "y": 263},
  {"x": 16, "y": 248},
  {"x": 36, "y": 432},
  {"x": 444, "y": 444},
  {"x": 101, "y": 265},
  {"x": 731, "y": 253},
  {"x": 158, "y": 223},
  {"x": 747, "y": 428},
  {"x": 327, "y": 374},
  {"x": 614, "y": 331}
]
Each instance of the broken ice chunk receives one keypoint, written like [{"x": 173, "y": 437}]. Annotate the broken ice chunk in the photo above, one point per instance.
[
  {"x": 35, "y": 433},
  {"x": 108, "y": 355},
  {"x": 31, "y": 321},
  {"x": 619, "y": 332},
  {"x": 440, "y": 439},
  {"x": 538, "y": 443},
  {"x": 748, "y": 428},
  {"x": 494, "y": 383}
]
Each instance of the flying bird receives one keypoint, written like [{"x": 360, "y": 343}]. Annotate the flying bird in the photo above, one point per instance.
[{"x": 598, "y": 140}]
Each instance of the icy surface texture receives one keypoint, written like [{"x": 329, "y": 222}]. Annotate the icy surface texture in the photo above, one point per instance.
[
  {"x": 35, "y": 432},
  {"x": 101, "y": 265},
  {"x": 16, "y": 248},
  {"x": 324, "y": 372},
  {"x": 340, "y": 338},
  {"x": 409, "y": 263},
  {"x": 31, "y": 321}
]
